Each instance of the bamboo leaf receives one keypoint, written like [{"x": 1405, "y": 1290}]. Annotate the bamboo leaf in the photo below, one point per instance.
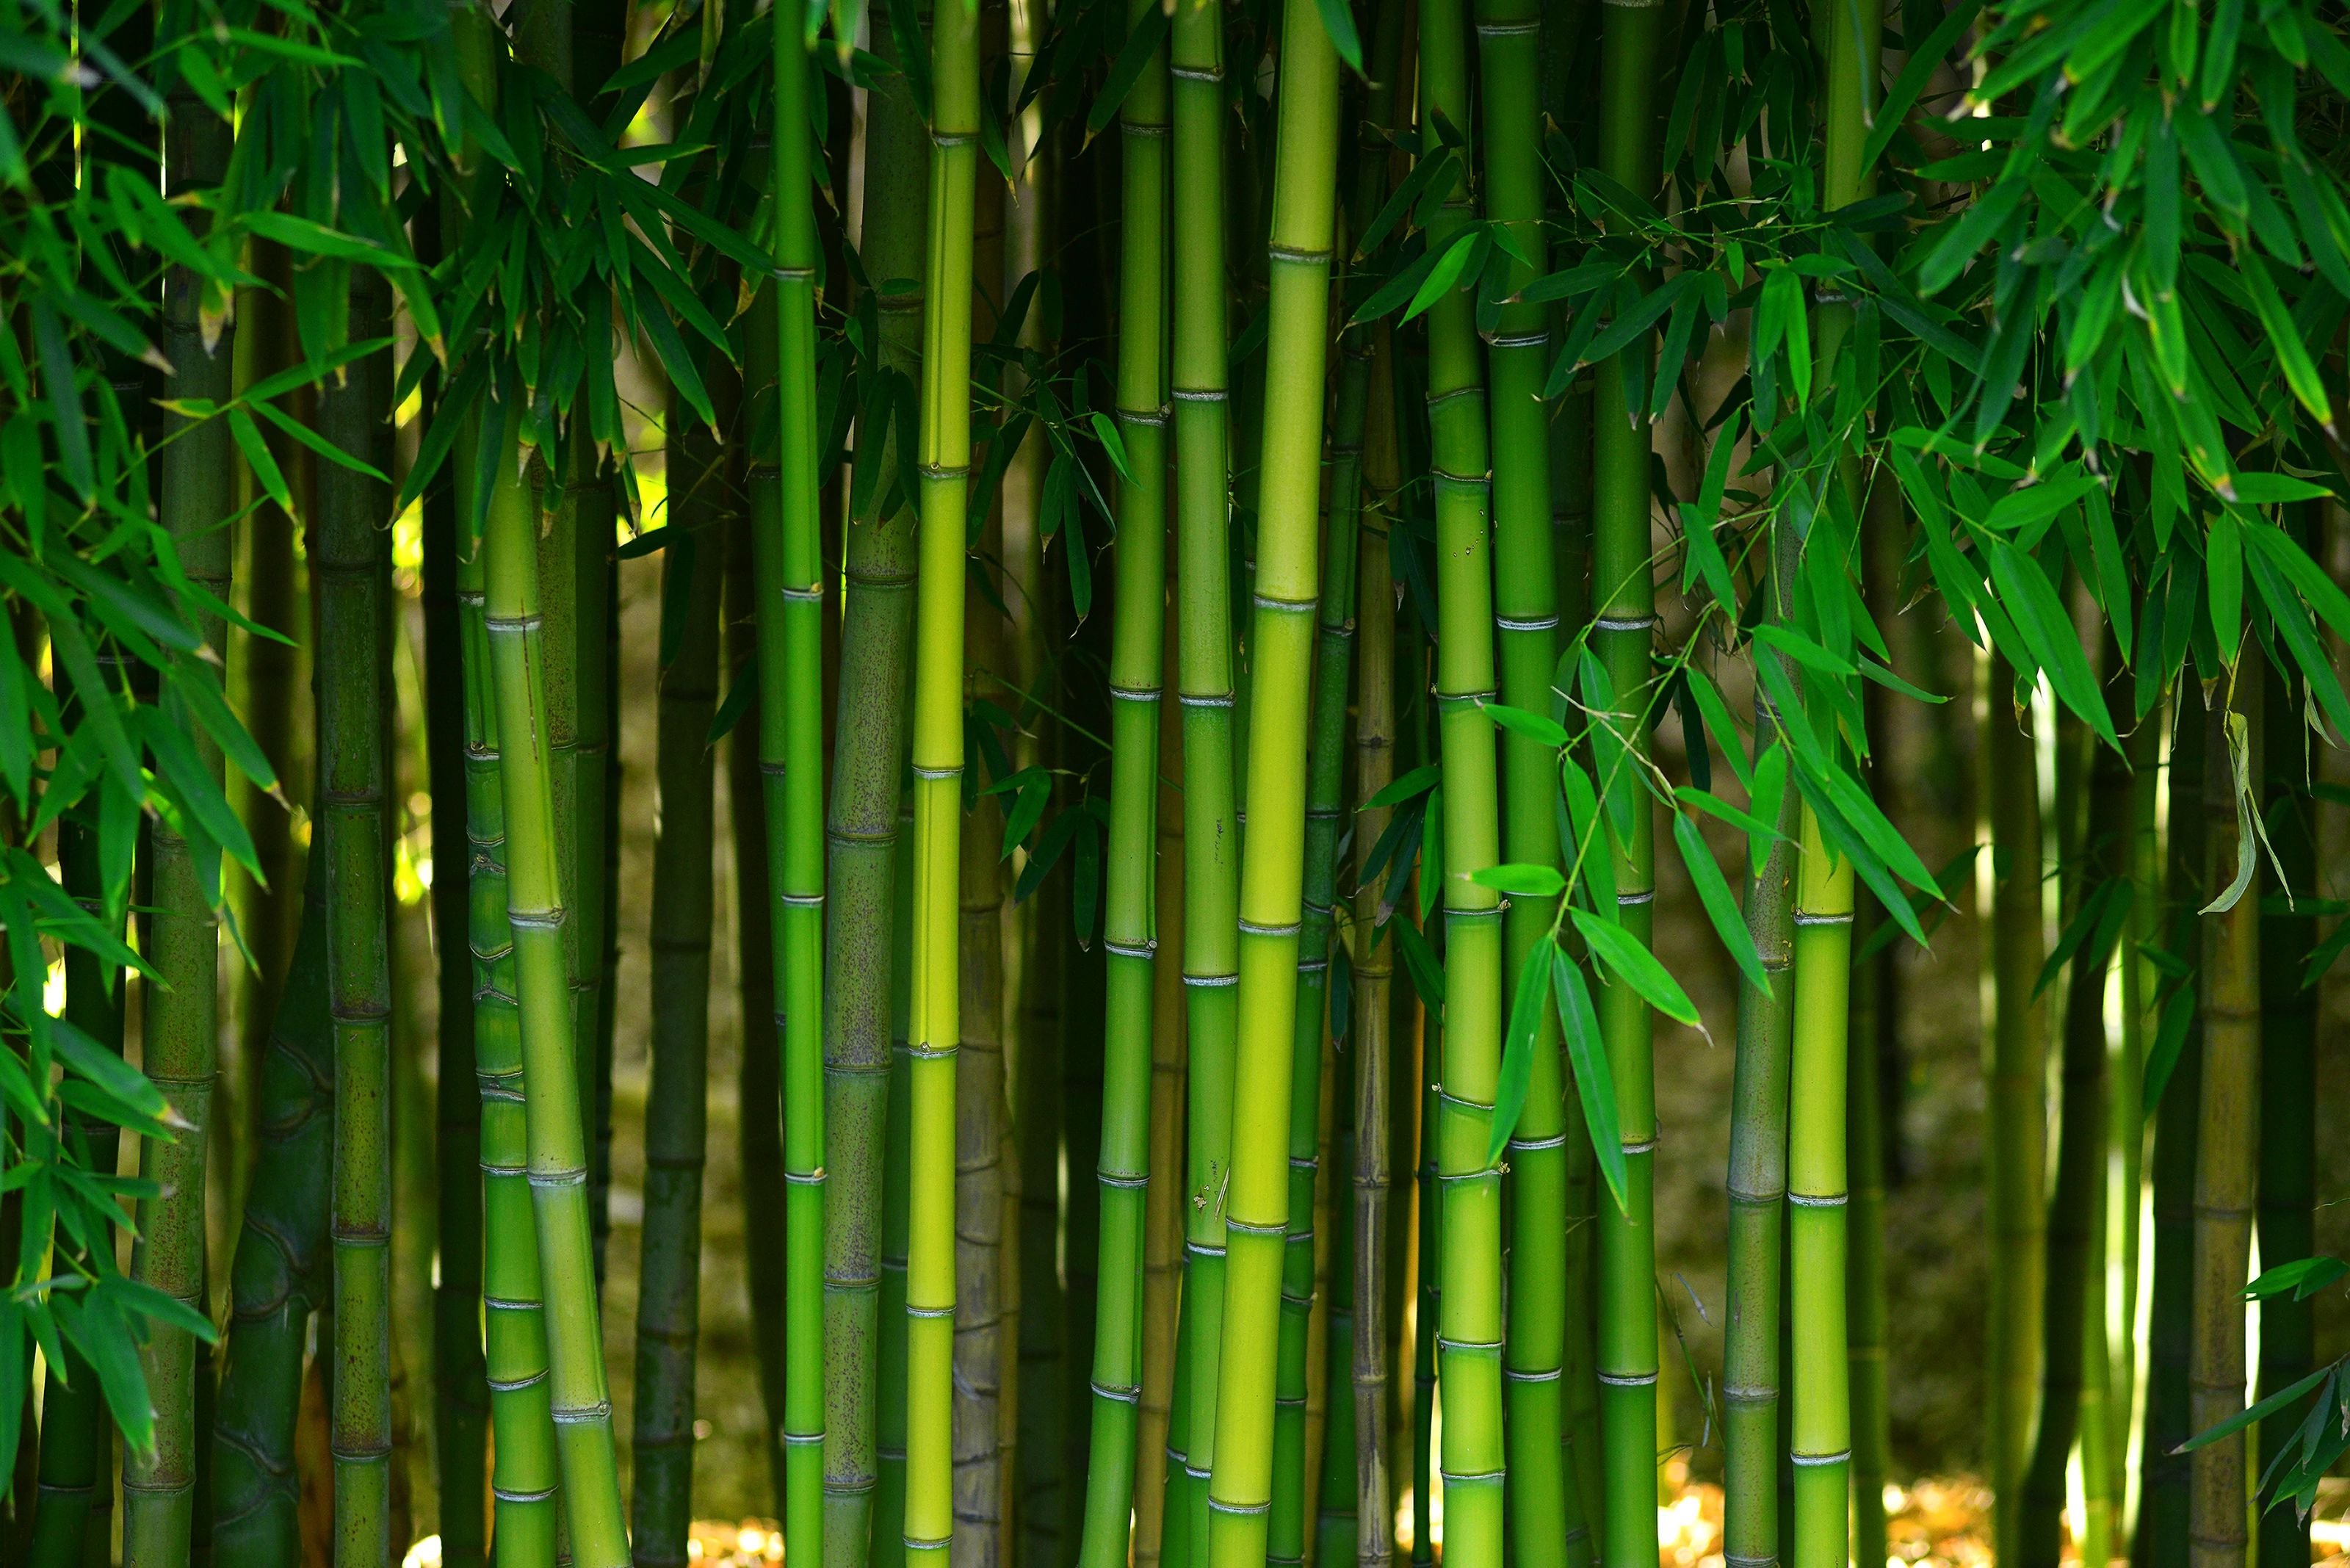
[
  {"x": 1522, "y": 880},
  {"x": 2162, "y": 1059},
  {"x": 2247, "y": 845},
  {"x": 1595, "y": 1081},
  {"x": 2305, "y": 1277},
  {"x": 1631, "y": 962},
  {"x": 1713, "y": 892},
  {"x": 2267, "y": 1406},
  {"x": 1339, "y": 21},
  {"x": 1518, "y": 1050},
  {"x": 1534, "y": 727},
  {"x": 1142, "y": 43}
]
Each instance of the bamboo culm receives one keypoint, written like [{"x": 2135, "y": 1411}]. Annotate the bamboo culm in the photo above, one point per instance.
[
  {"x": 669, "y": 1297},
  {"x": 1281, "y": 667},
  {"x": 868, "y": 756},
  {"x": 354, "y": 577},
  {"x": 196, "y": 487},
  {"x": 1129, "y": 933},
  {"x": 1623, "y": 600},
  {"x": 933, "y": 1021}
]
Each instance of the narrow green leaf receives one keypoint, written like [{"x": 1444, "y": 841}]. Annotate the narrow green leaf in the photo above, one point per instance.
[
  {"x": 1713, "y": 892},
  {"x": 1595, "y": 1081},
  {"x": 1631, "y": 962},
  {"x": 1518, "y": 1050}
]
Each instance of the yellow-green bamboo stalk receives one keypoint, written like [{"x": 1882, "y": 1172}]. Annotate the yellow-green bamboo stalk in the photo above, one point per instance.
[
  {"x": 1819, "y": 1376},
  {"x": 1281, "y": 661},
  {"x": 934, "y": 1023}
]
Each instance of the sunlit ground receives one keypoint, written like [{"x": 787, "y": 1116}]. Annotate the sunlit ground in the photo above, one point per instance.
[{"x": 1935, "y": 1522}]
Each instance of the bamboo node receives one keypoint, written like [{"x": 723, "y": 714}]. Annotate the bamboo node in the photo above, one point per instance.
[
  {"x": 1218, "y": 1505},
  {"x": 1519, "y": 340},
  {"x": 507, "y": 1494},
  {"x": 937, "y": 774},
  {"x": 1134, "y": 693},
  {"x": 1817, "y": 1200},
  {"x": 1250, "y": 1227},
  {"x": 1531, "y": 1145},
  {"x": 1253, "y": 928},
  {"x": 1626, "y": 1379},
  {"x": 1202, "y": 395},
  {"x": 1812, "y": 917},
  {"x": 1531, "y": 1375},
  {"x": 1122, "y": 1393},
  {"x": 1469, "y": 1346},
  {"x": 1204, "y": 699},
  {"x": 1207, "y": 980},
  {"x": 1272, "y": 605},
  {"x": 1802, "y": 1461},
  {"x": 1537, "y": 623},
  {"x": 1144, "y": 128}
]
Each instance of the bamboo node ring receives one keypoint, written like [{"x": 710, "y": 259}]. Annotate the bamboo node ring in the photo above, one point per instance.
[
  {"x": 1211, "y": 979},
  {"x": 1130, "y": 950},
  {"x": 1842, "y": 1456},
  {"x": 1626, "y": 1379},
  {"x": 1539, "y": 623},
  {"x": 1251, "y": 929},
  {"x": 1297, "y": 255}
]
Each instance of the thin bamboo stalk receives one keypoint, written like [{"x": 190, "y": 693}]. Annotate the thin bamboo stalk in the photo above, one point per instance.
[
  {"x": 1162, "y": 1247},
  {"x": 2015, "y": 1151},
  {"x": 354, "y": 575},
  {"x": 1204, "y": 681},
  {"x": 868, "y": 755},
  {"x": 889, "y": 1421},
  {"x": 2127, "y": 1136},
  {"x": 1624, "y": 598},
  {"x": 2072, "y": 1399},
  {"x": 934, "y": 1026},
  {"x": 1271, "y": 903},
  {"x": 1335, "y": 1528},
  {"x": 2159, "y": 1539},
  {"x": 1819, "y": 1393},
  {"x": 1130, "y": 930},
  {"x": 2228, "y": 1125},
  {"x": 669, "y": 1294},
  {"x": 579, "y": 1401},
  {"x": 1374, "y": 969},
  {"x": 787, "y": 570},
  {"x": 197, "y": 495},
  {"x": 2288, "y": 1132}
]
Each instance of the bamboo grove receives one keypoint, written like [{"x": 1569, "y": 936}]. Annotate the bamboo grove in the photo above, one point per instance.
[{"x": 1240, "y": 584}]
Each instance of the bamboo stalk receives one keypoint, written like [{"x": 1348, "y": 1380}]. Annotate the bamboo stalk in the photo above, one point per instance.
[
  {"x": 934, "y": 1027},
  {"x": 2288, "y": 1133},
  {"x": 579, "y": 1403},
  {"x": 890, "y": 1419},
  {"x": 2015, "y": 1151},
  {"x": 1129, "y": 932},
  {"x": 196, "y": 487},
  {"x": 1205, "y": 686},
  {"x": 2125, "y": 1072},
  {"x": 669, "y": 1294},
  {"x": 2160, "y": 1540},
  {"x": 2228, "y": 1125},
  {"x": 1819, "y": 1394},
  {"x": 1335, "y": 1528},
  {"x": 1281, "y": 656},
  {"x": 868, "y": 753},
  {"x": 354, "y": 574},
  {"x": 1470, "y": 1329},
  {"x": 1624, "y": 600},
  {"x": 1374, "y": 969}
]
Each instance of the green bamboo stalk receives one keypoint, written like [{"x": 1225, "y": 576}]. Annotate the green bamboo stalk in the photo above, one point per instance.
[
  {"x": 1624, "y": 600},
  {"x": 1470, "y": 1329},
  {"x": 75, "y": 1475},
  {"x": 354, "y": 575},
  {"x": 1546, "y": 1509},
  {"x": 1130, "y": 929},
  {"x": 595, "y": 626},
  {"x": 2227, "y": 1123},
  {"x": 2288, "y": 1133},
  {"x": 1156, "y": 1458},
  {"x": 1280, "y": 659},
  {"x": 868, "y": 754},
  {"x": 196, "y": 485},
  {"x": 579, "y": 1403},
  {"x": 1429, "y": 1210},
  {"x": 522, "y": 1471},
  {"x": 1204, "y": 680},
  {"x": 1819, "y": 1393},
  {"x": 461, "y": 1387},
  {"x": 2072, "y": 1396},
  {"x": 1335, "y": 1528},
  {"x": 2160, "y": 1538},
  {"x": 788, "y": 573},
  {"x": 1374, "y": 967},
  {"x": 669, "y": 1295},
  {"x": 889, "y": 1421},
  {"x": 2016, "y": 1148},
  {"x": 934, "y": 1026}
]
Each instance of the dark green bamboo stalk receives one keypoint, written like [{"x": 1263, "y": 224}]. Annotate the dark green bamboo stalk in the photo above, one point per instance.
[
  {"x": 580, "y": 1402},
  {"x": 1470, "y": 1329},
  {"x": 1335, "y": 1528},
  {"x": 75, "y": 1475},
  {"x": 1374, "y": 969},
  {"x": 934, "y": 1023},
  {"x": 354, "y": 574},
  {"x": 2159, "y": 1539},
  {"x": 2288, "y": 1133},
  {"x": 1204, "y": 680},
  {"x": 669, "y": 1295},
  {"x": 2072, "y": 1401},
  {"x": 2015, "y": 1151},
  {"x": 1156, "y": 1458},
  {"x": 1624, "y": 600},
  {"x": 1280, "y": 659},
  {"x": 1130, "y": 930},
  {"x": 2228, "y": 1121},
  {"x": 868, "y": 754},
  {"x": 197, "y": 491},
  {"x": 595, "y": 626}
]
